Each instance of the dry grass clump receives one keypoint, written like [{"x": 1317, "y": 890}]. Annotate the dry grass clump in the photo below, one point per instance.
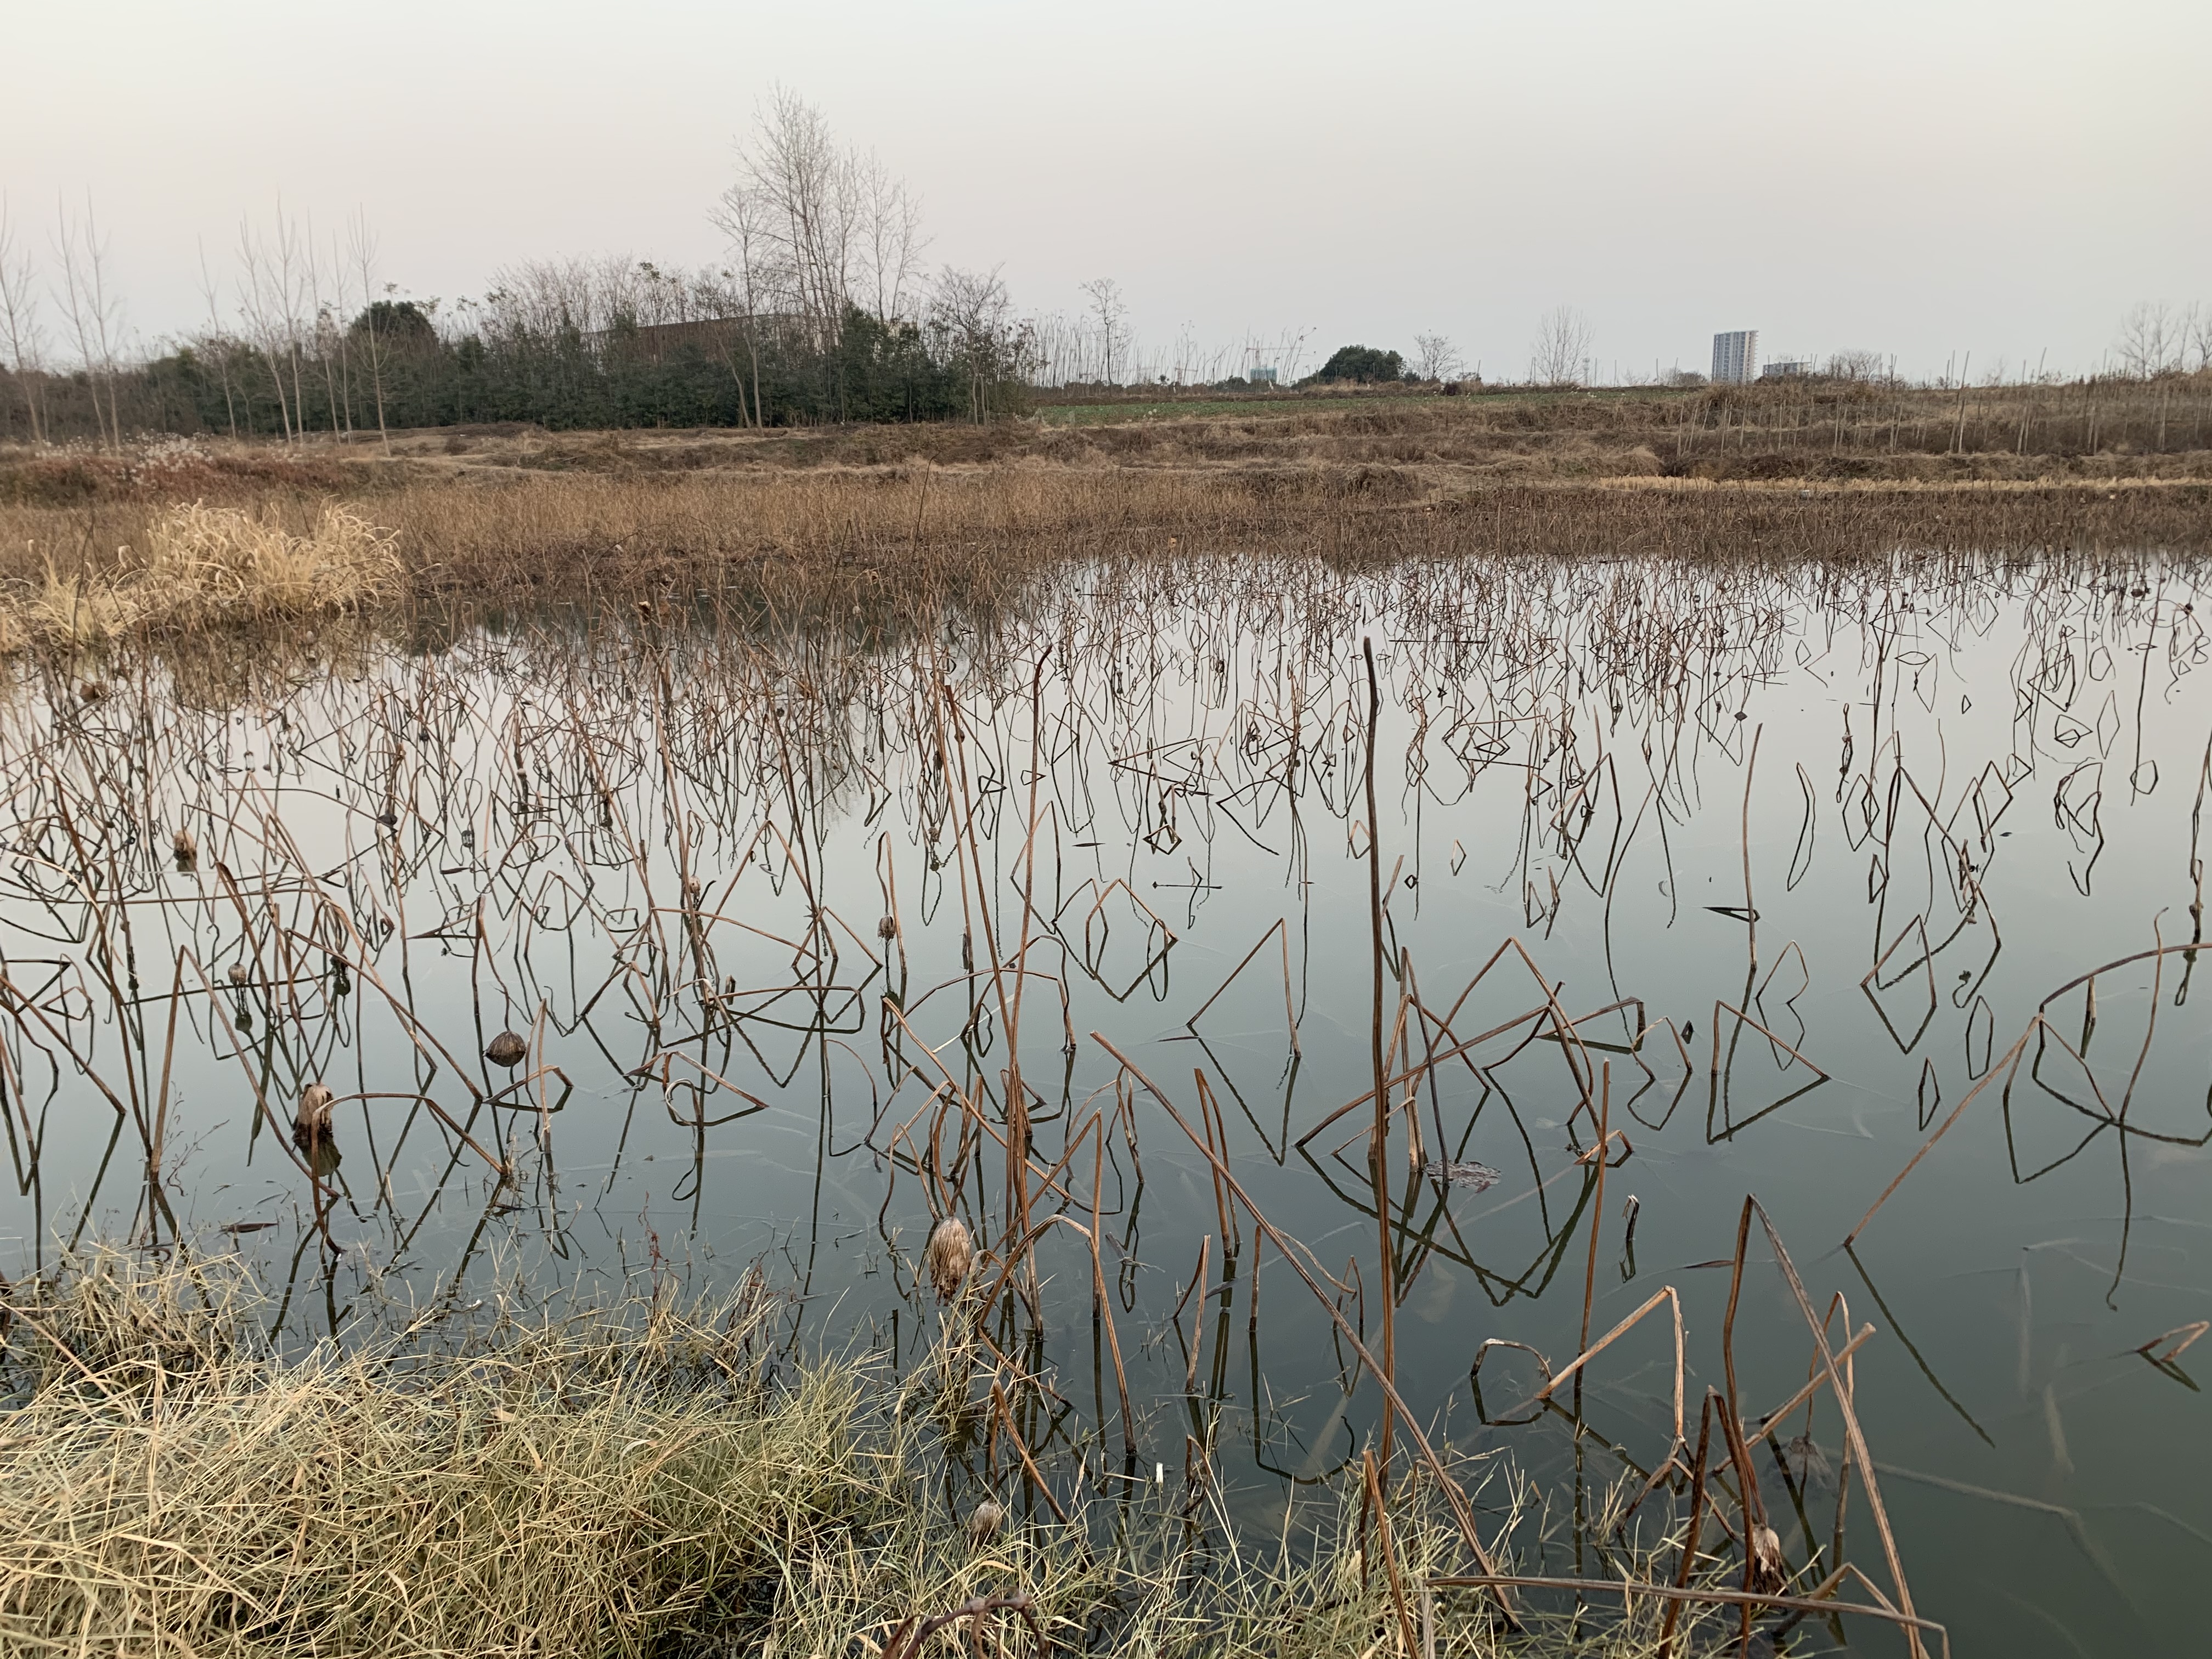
[
  {"x": 74, "y": 609},
  {"x": 627, "y": 1480},
  {"x": 205, "y": 565},
  {"x": 222, "y": 562},
  {"x": 595, "y": 1486}
]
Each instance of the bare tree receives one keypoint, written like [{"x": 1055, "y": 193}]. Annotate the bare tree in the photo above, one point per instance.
[
  {"x": 741, "y": 218},
  {"x": 264, "y": 306},
  {"x": 1055, "y": 350},
  {"x": 277, "y": 300},
  {"x": 550, "y": 298},
  {"x": 94, "y": 314},
  {"x": 2152, "y": 339},
  {"x": 19, "y": 320},
  {"x": 971, "y": 318},
  {"x": 329, "y": 336},
  {"x": 1435, "y": 358},
  {"x": 215, "y": 344},
  {"x": 1855, "y": 365},
  {"x": 891, "y": 228},
  {"x": 288, "y": 266},
  {"x": 1563, "y": 343},
  {"x": 817, "y": 227},
  {"x": 796, "y": 188},
  {"x": 1107, "y": 306},
  {"x": 361, "y": 250}
]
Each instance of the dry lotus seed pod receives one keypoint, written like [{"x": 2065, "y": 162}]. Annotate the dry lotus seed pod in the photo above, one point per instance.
[
  {"x": 238, "y": 974},
  {"x": 989, "y": 1518},
  {"x": 313, "y": 1121},
  {"x": 507, "y": 1049},
  {"x": 1766, "y": 1573},
  {"x": 948, "y": 1256},
  {"x": 887, "y": 928}
]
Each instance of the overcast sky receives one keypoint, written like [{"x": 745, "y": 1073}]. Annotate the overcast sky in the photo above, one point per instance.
[{"x": 1923, "y": 178}]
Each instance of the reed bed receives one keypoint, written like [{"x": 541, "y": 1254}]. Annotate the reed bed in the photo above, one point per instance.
[
  {"x": 917, "y": 534},
  {"x": 890, "y": 517}
]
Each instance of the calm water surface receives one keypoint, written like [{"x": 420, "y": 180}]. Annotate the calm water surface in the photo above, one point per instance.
[{"x": 1800, "y": 854}]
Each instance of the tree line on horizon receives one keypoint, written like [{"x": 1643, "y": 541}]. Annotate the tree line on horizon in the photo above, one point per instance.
[{"x": 824, "y": 312}]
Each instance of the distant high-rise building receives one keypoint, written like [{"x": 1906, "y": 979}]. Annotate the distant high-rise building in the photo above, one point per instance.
[{"x": 1735, "y": 357}]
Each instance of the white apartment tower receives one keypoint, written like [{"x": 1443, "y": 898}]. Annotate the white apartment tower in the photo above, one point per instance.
[{"x": 1735, "y": 357}]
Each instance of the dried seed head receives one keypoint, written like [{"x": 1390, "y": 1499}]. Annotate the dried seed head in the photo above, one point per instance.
[
  {"x": 313, "y": 1120},
  {"x": 507, "y": 1049},
  {"x": 989, "y": 1518},
  {"x": 948, "y": 1256},
  {"x": 238, "y": 974},
  {"x": 887, "y": 928},
  {"x": 186, "y": 849},
  {"x": 311, "y": 1129},
  {"x": 1765, "y": 1559}
]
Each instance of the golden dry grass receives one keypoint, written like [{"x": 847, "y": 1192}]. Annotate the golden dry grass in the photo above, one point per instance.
[
  {"x": 166, "y": 1487},
  {"x": 196, "y": 565},
  {"x": 624, "y": 1481},
  {"x": 881, "y": 515},
  {"x": 221, "y": 561}
]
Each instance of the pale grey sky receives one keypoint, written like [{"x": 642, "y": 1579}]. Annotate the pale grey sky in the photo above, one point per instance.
[{"x": 1921, "y": 179}]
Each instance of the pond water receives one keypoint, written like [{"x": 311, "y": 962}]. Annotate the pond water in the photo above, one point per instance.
[{"x": 1766, "y": 869}]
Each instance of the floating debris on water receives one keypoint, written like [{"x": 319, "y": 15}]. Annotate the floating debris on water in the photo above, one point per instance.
[{"x": 1474, "y": 1177}]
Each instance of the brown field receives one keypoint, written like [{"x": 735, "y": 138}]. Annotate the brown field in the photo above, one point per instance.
[{"x": 853, "y": 516}]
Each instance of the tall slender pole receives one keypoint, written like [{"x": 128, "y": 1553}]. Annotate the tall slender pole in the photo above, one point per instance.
[{"x": 1378, "y": 1143}]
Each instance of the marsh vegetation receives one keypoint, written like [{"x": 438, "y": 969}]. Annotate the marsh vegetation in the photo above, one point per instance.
[{"x": 1114, "y": 1055}]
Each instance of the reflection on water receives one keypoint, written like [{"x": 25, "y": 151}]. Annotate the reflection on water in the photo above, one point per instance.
[{"x": 683, "y": 946}]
